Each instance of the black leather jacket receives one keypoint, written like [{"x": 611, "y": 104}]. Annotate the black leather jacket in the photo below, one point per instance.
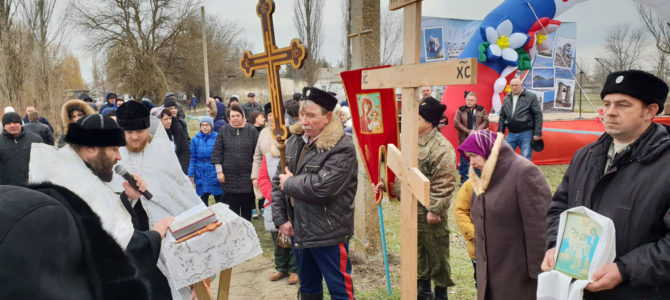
[{"x": 527, "y": 115}]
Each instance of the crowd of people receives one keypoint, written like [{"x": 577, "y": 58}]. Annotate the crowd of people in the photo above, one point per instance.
[{"x": 110, "y": 234}]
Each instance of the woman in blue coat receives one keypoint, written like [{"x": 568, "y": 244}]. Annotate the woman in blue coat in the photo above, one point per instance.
[{"x": 200, "y": 170}]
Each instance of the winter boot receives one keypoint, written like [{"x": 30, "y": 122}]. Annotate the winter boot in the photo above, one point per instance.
[
  {"x": 305, "y": 296},
  {"x": 423, "y": 291},
  {"x": 441, "y": 293}
]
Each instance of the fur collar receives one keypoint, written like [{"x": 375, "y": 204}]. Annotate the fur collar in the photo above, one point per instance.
[
  {"x": 83, "y": 106},
  {"x": 480, "y": 184},
  {"x": 329, "y": 137}
]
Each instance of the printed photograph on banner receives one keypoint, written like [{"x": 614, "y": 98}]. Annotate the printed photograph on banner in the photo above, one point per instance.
[
  {"x": 565, "y": 90},
  {"x": 565, "y": 52},
  {"x": 433, "y": 43},
  {"x": 370, "y": 113},
  {"x": 549, "y": 52},
  {"x": 543, "y": 62},
  {"x": 543, "y": 78},
  {"x": 528, "y": 80},
  {"x": 540, "y": 97},
  {"x": 562, "y": 73}
]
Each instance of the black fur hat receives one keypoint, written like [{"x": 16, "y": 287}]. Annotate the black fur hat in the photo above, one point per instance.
[
  {"x": 133, "y": 116},
  {"x": 322, "y": 98},
  {"x": 267, "y": 108},
  {"x": 638, "y": 84},
  {"x": 95, "y": 130},
  {"x": 432, "y": 110}
]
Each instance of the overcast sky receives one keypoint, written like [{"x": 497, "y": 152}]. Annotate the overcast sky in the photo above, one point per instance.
[{"x": 593, "y": 18}]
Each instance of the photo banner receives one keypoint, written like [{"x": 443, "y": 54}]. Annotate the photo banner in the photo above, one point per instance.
[
  {"x": 374, "y": 116},
  {"x": 551, "y": 77}
]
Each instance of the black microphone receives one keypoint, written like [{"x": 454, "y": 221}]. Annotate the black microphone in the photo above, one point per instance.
[{"x": 119, "y": 169}]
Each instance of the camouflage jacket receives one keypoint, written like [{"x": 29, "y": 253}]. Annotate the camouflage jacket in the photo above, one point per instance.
[{"x": 437, "y": 161}]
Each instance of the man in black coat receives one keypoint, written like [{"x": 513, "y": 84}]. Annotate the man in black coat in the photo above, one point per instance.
[
  {"x": 42, "y": 120},
  {"x": 624, "y": 176},
  {"x": 15, "y": 144},
  {"x": 53, "y": 246},
  {"x": 40, "y": 129},
  {"x": 313, "y": 201},
  {"x": 521, "y": 114},
  {"x": 82, "y": 168}
]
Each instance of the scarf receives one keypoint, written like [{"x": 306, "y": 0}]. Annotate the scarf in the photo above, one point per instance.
[{"x": 480, "y": 142}]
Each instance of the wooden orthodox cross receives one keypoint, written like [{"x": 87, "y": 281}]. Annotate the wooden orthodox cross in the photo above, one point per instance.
[
  {"x": 361, "y": 45},
  {"x": 272, "y": 59},
  {"x": 410, "y": 76}
]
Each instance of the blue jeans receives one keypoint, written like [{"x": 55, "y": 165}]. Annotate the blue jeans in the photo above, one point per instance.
[
  {"x": 521, "y": 139},
  {"x": 463, "y": 169},
  {"x": 330, "y": 263}
]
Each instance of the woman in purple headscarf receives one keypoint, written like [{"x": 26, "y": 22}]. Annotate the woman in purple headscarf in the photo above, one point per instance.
[{"x": 509, "y": 207}]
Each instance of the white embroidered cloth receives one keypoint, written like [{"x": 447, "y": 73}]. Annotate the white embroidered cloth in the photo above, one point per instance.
[{"x": 200, "y": 257}]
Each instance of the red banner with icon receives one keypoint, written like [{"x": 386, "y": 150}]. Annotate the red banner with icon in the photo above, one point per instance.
[{"x": 374, "y": 116}]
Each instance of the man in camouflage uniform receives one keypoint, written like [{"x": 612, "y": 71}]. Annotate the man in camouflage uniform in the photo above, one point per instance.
[{"x": 437, "y": 161}]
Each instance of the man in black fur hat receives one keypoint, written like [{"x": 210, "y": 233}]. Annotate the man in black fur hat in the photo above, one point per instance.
[
  {"x": 70, "y": 237},
  {"x": 316, "y": 197},
  {"x": 624, "y": 176}
]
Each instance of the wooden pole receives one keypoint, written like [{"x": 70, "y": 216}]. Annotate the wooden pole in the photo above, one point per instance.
[{"x": 204, "y": 51}]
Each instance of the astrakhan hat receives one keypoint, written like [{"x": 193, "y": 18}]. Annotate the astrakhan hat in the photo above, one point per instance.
[{"x": 95, "y": 130}]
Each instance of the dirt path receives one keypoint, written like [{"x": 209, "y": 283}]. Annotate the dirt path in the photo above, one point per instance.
[{"x": 250, "y": 281}]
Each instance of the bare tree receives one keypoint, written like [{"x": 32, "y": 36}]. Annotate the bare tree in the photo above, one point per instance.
[
  {"x": 657, "y": 27},
  {"x": 624, "y": 47},
  {"x": 308, "y": 20},
  {"x": 223, "y": 54},
  {"x": 391, "y": 35},
  {"x": 133, "y": 33}
]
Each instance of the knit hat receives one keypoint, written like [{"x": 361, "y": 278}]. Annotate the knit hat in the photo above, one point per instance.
[
  {"x": 106, "y": 110},
  {"x": 432, "y": 110},
  {"x": 85, "y": 97},
  {"x": 11, "y": 117},
  {"x": 133, "y": 116},
  {"x": 322, "y": 98},
  {"x": 297, "y": 96},
  {"x": 638, "y": 84},
  {"x": 169, "y": 102},
  {"x": 110, "y": 96},
  {"x": 480, "y": 142},
  {"x": 169, "y": 95},
  {"x": 95, "y": 130},
  {"x": 9, "y": 109},
  {"x": 207, "y": 119}
]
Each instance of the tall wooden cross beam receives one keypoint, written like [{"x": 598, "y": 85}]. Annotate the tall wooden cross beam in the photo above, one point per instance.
[
  {"x": 359, "y": 37},
  {"x": 410, "y": 76},
  {"x": 272, "y": 60}
]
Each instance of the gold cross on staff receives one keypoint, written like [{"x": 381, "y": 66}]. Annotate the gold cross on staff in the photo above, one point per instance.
[
  {"x": 359, "y": 35},
  {"x": 410, "y": 76},
  {"x": 272, "y": 59}
]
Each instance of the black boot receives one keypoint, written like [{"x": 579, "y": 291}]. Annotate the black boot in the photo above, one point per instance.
[
  {"x": 423, "y": 290},
  {"x": 441, "y": 293},
  {"x": 305, "y": 296}
]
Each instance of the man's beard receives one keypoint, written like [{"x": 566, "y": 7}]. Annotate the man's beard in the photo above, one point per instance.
[
  {"x": 139, "y": 148},
  {"x": 102, "y": 166}
]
